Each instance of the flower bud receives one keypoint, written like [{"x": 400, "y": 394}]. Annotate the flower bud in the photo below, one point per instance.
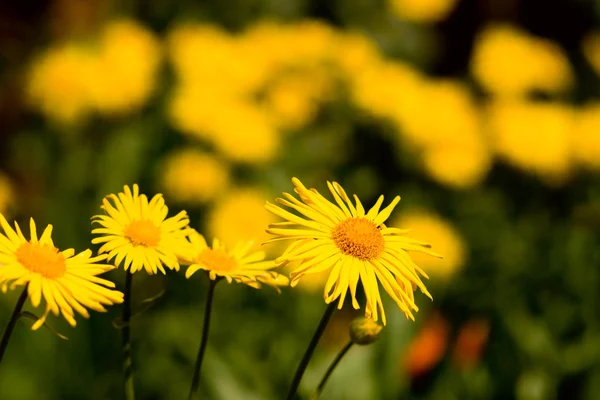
[{"x": 364, "y": 331}]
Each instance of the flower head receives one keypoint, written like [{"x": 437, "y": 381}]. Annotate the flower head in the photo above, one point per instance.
[
  {"x": 66, "y": 281},
  {"x": 238, "y": 264},
  {"x": 352, "y": 244},
  {"x": 135, "y": 230}
]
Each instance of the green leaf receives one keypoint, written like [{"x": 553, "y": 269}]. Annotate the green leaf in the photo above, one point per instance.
[{"x": 34, "y": 317}]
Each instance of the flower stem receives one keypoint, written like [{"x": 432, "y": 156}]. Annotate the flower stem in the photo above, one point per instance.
[
  {"x": 203, "y": 340},
  {"x": 310, "y": 350},
  {"x": 334, "y": 364},
  {"x": 12, "y": 322},
  {"x": 126, "y": 339}
]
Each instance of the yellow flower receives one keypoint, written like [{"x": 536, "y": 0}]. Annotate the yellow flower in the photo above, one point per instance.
[
  {"x": 460, "y": 165},
  {"x": 135, "y": 230},
  {"x": 442, "y": 236},
  {"x": 210, "y": 176},
  {"x": 422, "y": 10},
  {"x": 68, "y": 282},
  {"x": 58, "y": 83},
  {"x": 585, "y": 141},
  {"x": 239, "y": 216},
  {"x": 125, "y": 68},
  {"x": 534, "y": 137},
  {"x": 238, "y": 265},
  {"x": 352, "y": 244},
  {"x": 591, "y": 50},
  {"x": 293, "y": 99},
  {"x": 509, "y": 61},
  {"x": 7, "y": 196}
]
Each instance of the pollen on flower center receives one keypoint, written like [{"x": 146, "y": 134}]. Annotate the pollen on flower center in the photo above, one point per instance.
[
  {"x": 358, "y": 237},
  {"x": 43, "y": 259},
  {"x": 216, "y": 260},
  {"x": 143, "y": 233}
]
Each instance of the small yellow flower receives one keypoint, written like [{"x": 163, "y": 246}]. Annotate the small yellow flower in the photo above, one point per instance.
[
  {"x": 239, "y": 264},
  {"x": 422, "y": 10},
  {"x": 443, "y": 236},
  {"x": 585, "y": 141},
  {"x": 239, "y": 215},
  {"x": 210, "y": 176},
  {"x": 68, "y": 282},
  {"x": 7, "y": 195},
  {"x": 126, "y": 66},
  {"x": 352, "y": 244},
  {"x": 135, "y": 230},
  {"x": 516, "y": 128},
  {"x": 58, "y": 83},
  {"x": 509, "y": 61}
]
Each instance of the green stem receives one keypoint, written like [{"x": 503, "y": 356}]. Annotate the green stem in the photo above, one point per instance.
[
  {"x": 126, "y": 339},
  {"x": 203, "y": 340},
  {"x": 334, "y": 364},
  {"x": 310, "y": 350},
  {"x": 12, "y": 322}
]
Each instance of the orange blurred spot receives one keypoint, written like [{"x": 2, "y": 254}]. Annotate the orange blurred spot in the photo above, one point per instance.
[
  {"x": 470, "y": 343},
  {"x": 428, "y": 347}
]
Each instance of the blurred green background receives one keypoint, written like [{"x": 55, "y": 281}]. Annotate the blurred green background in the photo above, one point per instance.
[{"x": 484, "y": 115}]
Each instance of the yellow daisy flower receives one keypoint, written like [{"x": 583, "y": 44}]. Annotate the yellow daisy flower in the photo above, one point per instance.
[
  {"x": 135, "y": 230},
  {"x": 239, "y": 264},
  {"x": 352, "y": 244},
  {"x": 68, "y": 282}
]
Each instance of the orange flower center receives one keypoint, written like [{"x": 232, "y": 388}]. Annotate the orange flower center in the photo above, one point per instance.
[
  {"x": 358, "y": 237},
  {"x": 42, "y": 259},
  {"x": 143, "y": 233},
  {"x": 216, "y": 260}
]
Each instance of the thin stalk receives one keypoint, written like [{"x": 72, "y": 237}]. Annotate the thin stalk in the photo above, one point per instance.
[
  {"x": 126, "y": 339},
  {"x": 203, "y": 340},
  {"x": 310, "y": 350},
  {"x": 332, "y": 366},
  {"x": 12, "y": 322}
]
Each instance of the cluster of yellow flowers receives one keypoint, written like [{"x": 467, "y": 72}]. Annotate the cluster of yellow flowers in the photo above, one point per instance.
[
  {"x": 547, "y": 138},
  {"x": 241, "y": 93},
  {"x": 342, "y": 238},
  {"x": 114, "y": 74}
]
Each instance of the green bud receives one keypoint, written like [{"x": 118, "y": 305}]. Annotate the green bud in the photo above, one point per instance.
[{"x": 364, "y": 331}]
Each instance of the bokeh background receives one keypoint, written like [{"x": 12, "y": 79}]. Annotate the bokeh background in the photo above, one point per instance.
[{"x": 484, "y": 115}]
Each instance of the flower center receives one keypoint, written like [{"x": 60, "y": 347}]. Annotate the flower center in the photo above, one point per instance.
[
  {"x": 42, "y": 259},
  {"x": 216, "y": 260},
  {"x": 143, "y": 233},
  {"x": 358, "y": 237}
]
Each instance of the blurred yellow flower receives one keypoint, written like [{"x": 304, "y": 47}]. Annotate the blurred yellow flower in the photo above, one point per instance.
[
  {"x": 353, "y": 245},
  {"x": 136, "y": 230},
  {"x": 126, "y": 68},
  {"x": 58, "y": 83},
  {"x": 585, "y": 140},
  {"x": 509, "y": 61},
  {"x": 389, "y": 90},
  {"x": 7, "y": 195},
  {"x": 459, "y": 166},
  {"x": 240, "y": 216},
  {"x": 533, "y": 136},
  {"x": 457, "y": 119},
  {"x": 244, "y": 132},
  {"x": 67, "y": 281},
  {"x": 591, "y": 50},
  {"x": 189, "y": 175},
  {"x": 442, "y": 235},
  {"x": 294, "y": 98},
  {"x": 354, "y": 53},
  {"x": 422, "y": 10},
  {"x": 206, "y": 56},
  {"x": 238, "y": 264}
]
